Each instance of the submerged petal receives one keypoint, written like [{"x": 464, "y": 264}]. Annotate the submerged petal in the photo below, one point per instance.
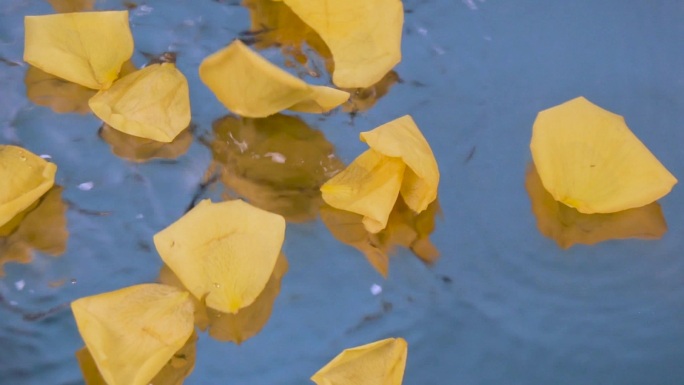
[
  {"x": 368, "y": 186},
  {"x": 133, "y": 332},
  {"x": 363, "y": 36},
  {"x": 87, "y": 48},
  {"x": 401, "y": 138},
  {"x": 152, "y": 103},
  {"x": 224, "y": 253},
  {"x": 249, "y": 85},
  {"x": 378, "y": 363},
  {"x": 588, "y": 159},
  {"x": 25, "y": 178}
]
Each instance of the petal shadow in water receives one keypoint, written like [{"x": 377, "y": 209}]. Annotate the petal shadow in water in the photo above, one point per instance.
[
  {"x": 277, "y": 163},
  {"x": 567, "y": 226},
  {"x": 137, "y": 149}
]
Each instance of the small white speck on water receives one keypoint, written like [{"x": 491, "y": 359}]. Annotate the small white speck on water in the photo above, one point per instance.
[
  {"x": 375, "y": 289},
  {"x": 20, "y": 285},
  {"x": 86, "y": 186}
]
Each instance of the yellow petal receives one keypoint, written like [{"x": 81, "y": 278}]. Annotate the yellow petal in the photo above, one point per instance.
[
  {"x": 377, "y": 363},
  {"x": 368, "y": 186},
  {"x": 363, "y": 36},
  {"x": 401, "y": 138},
  {"x": 568, "y": 226},
  {"x": 136, "y": 149},
  {"x": 152, "y": 103},
  {"x": 223, "y": 252},
  {"x": 86, "y": 48},
  {"x": 133, "y": 332},
  {"x": 60, "y": 95},
  {"x": 173, "y": 373},
  {"x": 588, "y": 159},
  {"x": 278, "y": 163},
  {"x": 249, "y": 85},
  {"x": 25, "y": 178}
]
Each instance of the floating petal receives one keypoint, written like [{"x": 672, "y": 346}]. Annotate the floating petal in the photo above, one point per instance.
[
  {"x": 377, "y": 363},
  {"x": 401, "y": 138},
  {"x": 25, "y": 178},
  {"x": 363, "y": 36},
  {"x": 568, "y": 226},
  {"x": 133, "y": 332},
  {"x": 588, "y": 159},
  {"x": 87, "y": 48},
  {"x": 369, "y": 186},
  {"x": 152, "y": 103},
  {"x": 224, "y": 253},
  {"x": 249, "y": 85}
]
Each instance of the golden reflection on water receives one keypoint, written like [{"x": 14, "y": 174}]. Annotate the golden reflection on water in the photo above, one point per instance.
[
  {"x": 248, "y": 322},
  {"x": 173, "y": 373},
  {"x": 65, "y": 6},
  {"x": 404, "y": 228},
  {"x": 41, "y": 227},
  {"x": 136, "y": 149},
  {"x": 363, "y": 99},
  {"x": 567, "y": 226},
  {"x": 277, "y": 163}
]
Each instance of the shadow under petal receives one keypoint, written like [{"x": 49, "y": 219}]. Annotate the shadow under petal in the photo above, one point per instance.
[{"x": 567, "y": 226}]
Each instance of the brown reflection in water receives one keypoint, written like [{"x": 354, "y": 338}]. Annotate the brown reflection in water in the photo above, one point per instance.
[
  {"x": 363, "y": 99},
  {"x": 404, "y": 228},
  {"x": 278, "y": 163},
  {"x": 173, "y": 373},
  {"x": 248, "y": 322},
  {"x": 41, "y": 227},
  {"x": 60, "y": 95},
  {"x": 136, "y": 149},
  {"x": 65, "y": 6},
  {"x": 567, "y": 226},
  {"x": 273, "y": 24}
]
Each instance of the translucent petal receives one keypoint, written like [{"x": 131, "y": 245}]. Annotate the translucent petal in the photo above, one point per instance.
[
  {"x": 25, "y": 178},
  {"x": 363, "y": 36},
  {"x": 223, "y": 252},
  {"x": 377, "y": 363},
  {"x": 133, "y": 332},
  {"x": 249, "y": 85},
  {"x": 588, "y": 159},
  {"x": 87, "y": 48},
  {"x": 401, "y": 138},
  {"x": 368, "y": 186},
  {"x": 152, "y": 103},
  {"x": 568, "y": 226}
]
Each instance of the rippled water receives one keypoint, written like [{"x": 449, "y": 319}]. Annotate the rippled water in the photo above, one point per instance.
[{"x": 502, "y": 305}]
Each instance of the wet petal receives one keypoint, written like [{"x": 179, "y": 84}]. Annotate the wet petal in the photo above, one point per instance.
[
  {"x": 588, "y": 159},
  {"x": 363, "y": 36},
  {"x": 401, "y": 138},
  {"x": 133, "y": 332},
  {"x": 567, "y": 226},
  {"x": 25, "y": 178},
  {"x": 87, "y": 48},
  {"x": 368, "y": 186},
  {"x": 152, "y": 103},
  {"x": 223, "y": 252},
  {"x": 377, "y": 363},
  {"x": 249, "y": 85}
]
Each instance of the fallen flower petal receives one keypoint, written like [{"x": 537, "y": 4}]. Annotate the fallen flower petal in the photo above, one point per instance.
[
  {"x": 587, "y": 158},
  {"x": 87, "y": 48},
  {"x": 250, "y": 86}
]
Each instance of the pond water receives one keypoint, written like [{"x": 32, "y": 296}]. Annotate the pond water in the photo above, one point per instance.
[{"x": 503, "y": 304}]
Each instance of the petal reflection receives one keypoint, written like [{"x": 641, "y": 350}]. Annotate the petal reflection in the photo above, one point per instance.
[
  {"x": 363, "y": 99},
  {"x": 405, "y": 228},
  {"x": 41, "y": 227},
  {"x": 567, "y": 226},
  {"x": 173, "y": 373},
  {"x": 137, "y": 149},
  {"x": 248, "y": 322},
  {"x": 62, "y": 96},
  {"x": 277, "y": 163},
  {"x": 67, "y": 6}
]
